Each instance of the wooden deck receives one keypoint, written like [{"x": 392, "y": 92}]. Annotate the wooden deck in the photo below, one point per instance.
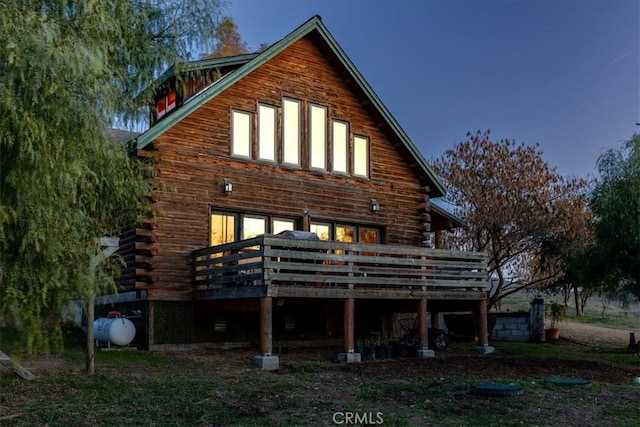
[{"x": 278, "y": 267}]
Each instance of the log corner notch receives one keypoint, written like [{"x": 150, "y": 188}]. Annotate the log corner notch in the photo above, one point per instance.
[
  {"x": 266, "y": 360},
  {"x": 424, "y": 213},
  {"x": 349, "y": 355}
]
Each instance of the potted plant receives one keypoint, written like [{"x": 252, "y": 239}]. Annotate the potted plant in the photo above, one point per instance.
[{"x": 556, "y": 313}]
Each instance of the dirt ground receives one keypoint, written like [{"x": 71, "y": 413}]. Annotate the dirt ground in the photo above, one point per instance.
[
  {"x": 580, "y": 333},
  {"x": 322, "y": 386}
]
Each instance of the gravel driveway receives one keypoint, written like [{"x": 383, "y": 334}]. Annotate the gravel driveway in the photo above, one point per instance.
[{"x": 590, "y": 334}]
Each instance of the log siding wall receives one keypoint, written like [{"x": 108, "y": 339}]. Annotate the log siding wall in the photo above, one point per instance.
[{"x": 194, "y": 158}]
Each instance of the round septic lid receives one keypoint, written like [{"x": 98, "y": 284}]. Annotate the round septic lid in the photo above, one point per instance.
[
  {"x": 497, "y": 389},
  {"x": 567, "y": 381}
]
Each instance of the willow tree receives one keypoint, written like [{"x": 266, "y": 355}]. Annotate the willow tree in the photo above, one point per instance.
[
  {"x": 67, "y": 68},
  {"x": 518, "y": 209},
  {"x": 616, "y": 205}
]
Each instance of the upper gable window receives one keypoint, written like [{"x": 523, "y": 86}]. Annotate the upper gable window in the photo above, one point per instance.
[
  {"x": 318, "y": 136},
  {"x": 166, "y": 104},
  {"x": 241, "y": 133},
  {"x": 340, "y": 138},
  {"x": 361, "y": 156},
  {"x": 284, "y": 134},
  {"x": 291, "y": 131},
  {"x": 267, "y": 126}
]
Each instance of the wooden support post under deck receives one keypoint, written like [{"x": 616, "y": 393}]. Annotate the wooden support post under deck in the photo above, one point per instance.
[
  {"x": 349, "y": 343},
  {"x": 423, "y": 338},
  {"x": 266, "y": 360},
  {"x": 266, "y": 326},
  {"x": 483, "y": 334},
  {"x": 435, "y": 320}
]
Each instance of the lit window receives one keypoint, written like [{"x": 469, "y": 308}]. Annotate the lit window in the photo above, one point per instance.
[
  {"x": 318, "y": 137},
  {"x": 291, "y": 131},
  {"x": 369, "y": 235},
  {"x": 321, "y": 230},
  {"x": 340, "y": 146},
  {"x": 222, "y": 228},
  {"x": 253, "y": 226},
  {"x": 280, "y": 225},
  {"x": 345, "y": 233},
  {"x": 241, "y": 134},
  {"x": 267, "y": 132},
  {"x": 361, "y": 156}
]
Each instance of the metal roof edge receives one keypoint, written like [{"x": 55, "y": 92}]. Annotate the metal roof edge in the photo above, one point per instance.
[
  {"x": 442, "y": 211},
  {"x": 203, "y": 64}
]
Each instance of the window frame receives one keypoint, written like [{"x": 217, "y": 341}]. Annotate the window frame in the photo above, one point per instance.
[
  {"x": 335, "y": 150},
  {"x": 297, "y": 137},
  {"x": 312, "y": 139},
  {"x": 358, "y": 228},
  {"x": 329, "y": 225},
  {"x": 249, "y": 141},
  {"x": 366, "y": 152},
  {"x": 244, "y": 217},
  {"x": 234, "y": 226},
  {"x": 272, "y": 140},
  {"x": 166, "y": 103},
  {"x": 238, "y": 221},
  {"x": 314, "y": 142},
  {"x": 273, "y": 220}
]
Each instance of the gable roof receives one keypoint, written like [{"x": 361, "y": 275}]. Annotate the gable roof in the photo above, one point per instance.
[
  {"x": 313, "y": 27},
  {"x": 443, "y": 218},
  {"x": 203, "y": 64}
]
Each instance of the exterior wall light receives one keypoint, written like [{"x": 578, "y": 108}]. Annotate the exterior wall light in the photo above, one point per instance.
[
  {"x": 227, "y": 187},
  {"x": 375, "y": 206}
]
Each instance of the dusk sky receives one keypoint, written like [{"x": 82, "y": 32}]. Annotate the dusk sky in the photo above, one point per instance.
[{"x": 564, "y": 74}]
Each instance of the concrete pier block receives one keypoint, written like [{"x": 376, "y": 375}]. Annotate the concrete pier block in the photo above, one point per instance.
[
  {"x": 267, "y": 363},
  {"x": 425, "y": 353},
  {"x": 485, "y": 349},
  {"x": 350, "y": 357}
]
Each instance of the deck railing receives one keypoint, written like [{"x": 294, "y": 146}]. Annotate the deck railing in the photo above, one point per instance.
[{"x": 270, "y": 259}]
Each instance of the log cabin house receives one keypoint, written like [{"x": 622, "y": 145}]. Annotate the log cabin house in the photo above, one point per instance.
[{"x": 257, "y": 155}]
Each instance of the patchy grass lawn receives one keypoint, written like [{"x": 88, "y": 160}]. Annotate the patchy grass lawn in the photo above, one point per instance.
[{"x": 222, "y": 388}]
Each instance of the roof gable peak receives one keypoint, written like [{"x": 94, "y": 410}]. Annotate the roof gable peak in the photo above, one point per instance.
[{"x": 314, "y": 24}]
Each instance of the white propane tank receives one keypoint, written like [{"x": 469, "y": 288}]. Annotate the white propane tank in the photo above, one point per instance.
[{"x": 118, "y": 331}]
